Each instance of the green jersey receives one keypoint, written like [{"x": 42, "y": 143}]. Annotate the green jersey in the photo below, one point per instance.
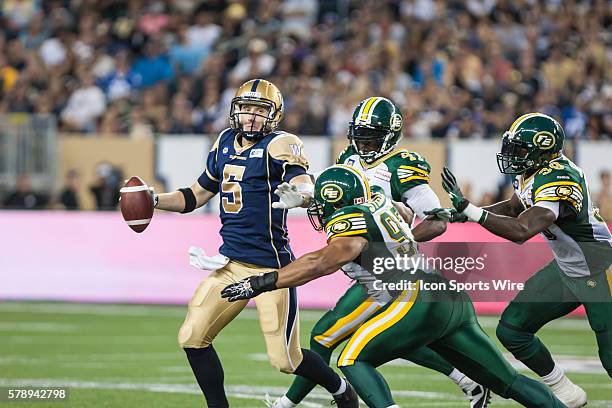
[
  {"x": 388, "y": 235},
  {"x": 579, "y": 238},
  {"x": 396, "y": 173}
]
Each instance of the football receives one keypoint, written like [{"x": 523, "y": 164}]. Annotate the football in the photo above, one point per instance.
[{"x": 136, "y": 204}]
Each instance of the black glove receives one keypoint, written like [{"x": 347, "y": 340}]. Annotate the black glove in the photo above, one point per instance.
[{"x": 250, "y": 287}]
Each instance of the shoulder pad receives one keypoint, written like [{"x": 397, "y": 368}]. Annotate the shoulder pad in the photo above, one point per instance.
[
  {"x": 289, "y": 148},
  {"x": 411, "y": 166},
  {"x": 558, "y": 182},
  {"x": 347, "y": 221}
]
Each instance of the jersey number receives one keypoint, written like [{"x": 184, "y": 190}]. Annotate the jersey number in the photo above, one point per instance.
[
  {"x": 232, "y": 176},
  {"x": 392, "y": 226}
]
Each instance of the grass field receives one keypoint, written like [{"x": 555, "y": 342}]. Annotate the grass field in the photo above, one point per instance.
[{"x": 126, "y": 356}]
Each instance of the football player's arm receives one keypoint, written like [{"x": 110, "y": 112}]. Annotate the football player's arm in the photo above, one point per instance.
[
  {"x": 176, "y": 200},
  {"x": 519, "y": 229},
  {"x": 422, "y": 198},
  {"x": 187, "y": 199},
  {"x": 511, "y": 207},
  {"x": 311, "y": 266},
  {"x": 325, "y": 261}
]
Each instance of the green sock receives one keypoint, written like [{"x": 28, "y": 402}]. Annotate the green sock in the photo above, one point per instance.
[{"x": 369, "y": 384}]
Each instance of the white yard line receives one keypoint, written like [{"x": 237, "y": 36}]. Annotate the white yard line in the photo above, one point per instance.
[
  {"x": 572, "y": 364},
  {"x": 38, "y": 327},
  {"x": 578, "y": 324}
]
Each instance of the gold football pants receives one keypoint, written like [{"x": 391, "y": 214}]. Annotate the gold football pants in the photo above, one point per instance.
[{"x": 208, "y": 313}]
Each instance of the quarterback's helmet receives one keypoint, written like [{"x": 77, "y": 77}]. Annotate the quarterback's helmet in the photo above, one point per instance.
[
  {"x": 261, "y": 93},
  {"x": 375, "y": 128},
  {"x": 336, "y": 187},
  {"x": 530, "y": 143}
]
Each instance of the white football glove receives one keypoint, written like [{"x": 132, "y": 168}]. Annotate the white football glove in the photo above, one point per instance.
[{"x": 289, "y": 197}]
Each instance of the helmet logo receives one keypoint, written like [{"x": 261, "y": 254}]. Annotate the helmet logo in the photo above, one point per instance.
[
  {"x": 340, "y": 226},
  {"x": 563, "y": 191},
  {"x": 544, "y": 140},
  {"x": 331, "y": 193},
  {"x": 396, "y": 122},
  {"x": 251, "y": 95}
]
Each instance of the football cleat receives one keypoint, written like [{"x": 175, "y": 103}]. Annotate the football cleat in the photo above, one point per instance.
[
  {"x": 270, "y": 403},
  {"x": 348, "y": 399},
  {"x": 569, "y": 393},
  {"x": 479, "y": 396}
]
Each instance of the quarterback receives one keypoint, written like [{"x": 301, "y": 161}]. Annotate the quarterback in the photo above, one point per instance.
[
  {"x": 551, "y": 197},
  {"x": 374, "y": 132},
  {"x": 248, "y": 162},
  {"x": 359, "y": 226}
]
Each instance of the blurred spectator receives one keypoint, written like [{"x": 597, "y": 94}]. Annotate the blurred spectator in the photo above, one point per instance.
[
  {"x": 256, "y": 64},
  {"x": 603, "y": 199},
  {"x": 187, "y": 55},
  {"x": 69, "y": 196},
  {"x": 299, "y": 16},
  {"x": 24, "y": 197},
  {"x": 106, "y": 186},
  {"x": 85, "y": 105},
  {"x": 120, "y": 83},
  {"x": 204, "y": 33},
  {"x": 18, "y": 13},
  {"x": 154, "y": 66}
]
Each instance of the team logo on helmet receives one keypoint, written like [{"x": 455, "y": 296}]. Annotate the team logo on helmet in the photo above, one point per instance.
[
  {"x": 331, "y": 193},
  {"x": 544, "y": 140},
  {"x": 395, "y": 123},
  {"x": 563, "y": 191}
]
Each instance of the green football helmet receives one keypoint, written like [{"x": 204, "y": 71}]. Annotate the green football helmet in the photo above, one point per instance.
[
  {"x": 336, "y": 187},
  {"x": 375, "y": 128},
  {"x": 530, "y": 143}
]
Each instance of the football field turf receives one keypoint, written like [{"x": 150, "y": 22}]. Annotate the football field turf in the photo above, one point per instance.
[{"x": 127, "y": 356}]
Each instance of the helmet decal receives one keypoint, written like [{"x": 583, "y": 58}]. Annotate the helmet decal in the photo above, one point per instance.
[
  {"x": 396, "y": 122},
  {"x": 331, "y": 193},
  {"x": 544, "y": 140}
]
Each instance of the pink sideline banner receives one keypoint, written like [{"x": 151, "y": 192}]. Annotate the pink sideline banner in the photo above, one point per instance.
[{"x": 96, "y": 257}]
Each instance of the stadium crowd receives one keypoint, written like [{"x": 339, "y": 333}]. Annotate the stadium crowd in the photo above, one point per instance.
[{"x": 458, "y": 68}]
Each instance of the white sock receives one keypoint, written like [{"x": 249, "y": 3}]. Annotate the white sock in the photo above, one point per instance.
[
  {"x": 554, "y": 376},
  {"x": 393, "y": 406},
  {"x": 456, "y": 376},
  {"x": 342, "y": 387},
  {"x": 285, "y": 402}
]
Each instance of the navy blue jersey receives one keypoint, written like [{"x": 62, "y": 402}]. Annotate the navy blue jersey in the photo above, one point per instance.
[{"x": 253, "y": 231}]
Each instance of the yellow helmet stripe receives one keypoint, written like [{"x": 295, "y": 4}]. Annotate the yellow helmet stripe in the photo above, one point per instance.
[
  {"x": 365, "y": 109},
  {"x": 373, "y": 107},
  {"x": 523, "y": 118}
]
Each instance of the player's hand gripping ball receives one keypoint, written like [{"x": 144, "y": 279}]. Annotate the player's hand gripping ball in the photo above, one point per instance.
[{"x": 136, "y": 204}]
